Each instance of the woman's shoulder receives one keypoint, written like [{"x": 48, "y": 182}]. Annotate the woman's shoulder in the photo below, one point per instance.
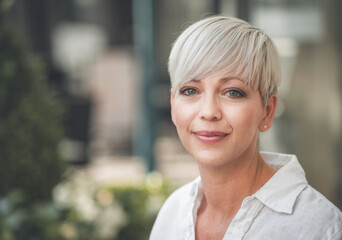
[
  {"x": 312, "y": 201},
  {"x": 316, "y": 210},
  {"x": 312, "y": 217}
]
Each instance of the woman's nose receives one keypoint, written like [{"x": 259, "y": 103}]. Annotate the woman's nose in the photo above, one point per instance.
[{"x": 210, "y": 109}]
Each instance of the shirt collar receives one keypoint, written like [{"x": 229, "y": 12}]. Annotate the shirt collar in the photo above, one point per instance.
[{"x": 282, "y": 190}]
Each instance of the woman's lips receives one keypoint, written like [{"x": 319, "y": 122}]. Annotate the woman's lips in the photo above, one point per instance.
[{"x": 210, "y": 136}]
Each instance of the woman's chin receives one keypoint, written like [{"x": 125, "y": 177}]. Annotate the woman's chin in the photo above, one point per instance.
[{"x": 210, "y": 158}]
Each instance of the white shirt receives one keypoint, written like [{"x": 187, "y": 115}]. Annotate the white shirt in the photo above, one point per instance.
[{"x": 285, "y": 208}]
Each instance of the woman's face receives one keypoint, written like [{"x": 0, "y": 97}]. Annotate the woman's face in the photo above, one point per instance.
[{"x": 218, "y": 119}]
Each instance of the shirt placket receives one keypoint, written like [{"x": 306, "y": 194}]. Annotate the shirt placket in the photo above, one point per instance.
[
  {"x": 188, "y": 224},
  {"x": 244, "y": 218}
]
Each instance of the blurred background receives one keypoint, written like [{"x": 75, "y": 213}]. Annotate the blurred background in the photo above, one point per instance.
[{"x": 101, "y": 115}]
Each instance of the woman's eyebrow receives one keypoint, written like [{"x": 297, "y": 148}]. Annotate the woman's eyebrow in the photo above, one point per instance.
[{"x": 226, "y": 79}]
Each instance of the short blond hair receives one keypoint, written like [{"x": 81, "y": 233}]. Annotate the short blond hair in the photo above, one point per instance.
[{"x": 217, "y": 46}]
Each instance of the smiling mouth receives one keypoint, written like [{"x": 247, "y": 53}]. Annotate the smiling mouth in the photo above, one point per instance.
[{"x": 210, "y": 136}]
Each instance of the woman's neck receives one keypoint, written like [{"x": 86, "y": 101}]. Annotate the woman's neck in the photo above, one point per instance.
[{"x": 225, "y": 187}]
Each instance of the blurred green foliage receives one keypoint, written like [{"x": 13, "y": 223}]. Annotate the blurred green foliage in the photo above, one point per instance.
[
  {"x": 83, "y": 209},
  {"x": 30, "y": 116},
  {"x": 20, "y": 221},
  {"x": 120, "y": 212}
]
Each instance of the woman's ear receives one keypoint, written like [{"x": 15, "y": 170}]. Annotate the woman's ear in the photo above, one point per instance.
[
  {"x": 172, "y": 97},
  {"x": 269, "y": 111}
]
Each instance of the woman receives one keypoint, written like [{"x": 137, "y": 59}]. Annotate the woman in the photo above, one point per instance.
[{"x": 224, "y": 75}]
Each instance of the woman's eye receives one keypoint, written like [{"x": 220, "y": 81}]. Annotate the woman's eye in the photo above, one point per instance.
[
  {"x": 188, "y": 91},
  {"x": 234, "y": 93}
]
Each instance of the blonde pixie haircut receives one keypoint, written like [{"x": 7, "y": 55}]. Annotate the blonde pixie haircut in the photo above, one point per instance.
[{"x": 218, "y": 46}]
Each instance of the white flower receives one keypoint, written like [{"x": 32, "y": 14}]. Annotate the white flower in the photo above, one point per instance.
[
  {"x": 112, "y": 219},
  {"x": 62, "y": 194},
  {"x": 85, "y": 207},
  {"x": 78, "y": 194}
]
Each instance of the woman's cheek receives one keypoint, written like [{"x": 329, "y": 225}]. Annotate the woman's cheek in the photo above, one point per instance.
[
  {"x": 181, "y": 115},
  {"x": 245, "y": 118}
]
